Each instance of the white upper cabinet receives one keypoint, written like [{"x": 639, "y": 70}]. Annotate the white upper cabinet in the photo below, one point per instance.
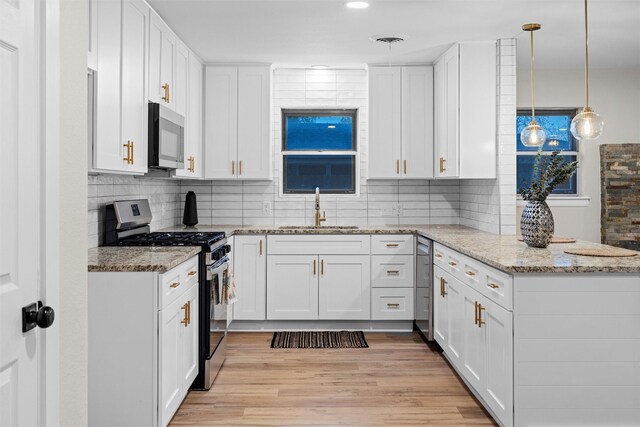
[
  {"x": 92, "y": 53},
  {"x": 400, "y": 122},
  {"x": 164, "y": 85},
  {"x": 193, "y": 155},
  {"x": 465, "y": 111},
  {"x": 120, "y": 141},
  {"x": 181, "y": 78},
  {"x": 237, "y": 123}
]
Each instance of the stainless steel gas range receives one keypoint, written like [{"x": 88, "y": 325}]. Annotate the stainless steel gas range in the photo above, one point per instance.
[{"x": 127, "y": 224}]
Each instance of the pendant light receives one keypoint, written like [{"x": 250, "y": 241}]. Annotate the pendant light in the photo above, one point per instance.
[
  {"x": 587, "y": 124},
  {"x": 532, "y": 135}
]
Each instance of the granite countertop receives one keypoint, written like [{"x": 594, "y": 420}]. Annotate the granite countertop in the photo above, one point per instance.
[
  {"x": 505, "y": 253},
  {"x": 139, "y": 258}
]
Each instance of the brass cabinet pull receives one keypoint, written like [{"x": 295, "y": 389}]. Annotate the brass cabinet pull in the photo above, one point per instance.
[
  {"x": 321, "y": 267},
  {"x": 453, "y": 264},
  {"x": 493, "y": 286},
  {"x": 480, "y": 321},
  {"x": 438, "y": 256},
  {"x": 393, "y": 271},
  {"x": 233, "y": 167},
  {"x": 191, "y": 168},
  {"x": 470, "y": 273},
  {"x": 165, "y": 98},
  {"x": 240, "y": 167},
  {"x": 443, "y": 292},
  {"x": 191, "y": 273},
  {"x": 129, "y": 158},
  {"x": 442, "y": 168},
  {"x": 185, "y": 321},
  {"x": 132, "y": 152},
  {"x": 174, "y": 285},
  {"x": 260, "y": 246},
  {"x": 405, "y": 167},
  {"x": 393, "y": 305},
  {"x": 314, "y": 267},
  {"x": 475, "y": 314},
  {"x": 392, "y": 245},
  {"x": 398, "y": 167}
]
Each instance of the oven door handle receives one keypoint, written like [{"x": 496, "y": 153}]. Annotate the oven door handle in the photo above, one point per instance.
[{"x": 217, "y": 270}]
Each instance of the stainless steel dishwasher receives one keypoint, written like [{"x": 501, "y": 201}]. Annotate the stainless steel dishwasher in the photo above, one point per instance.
[{"x": 424, "y": 285}]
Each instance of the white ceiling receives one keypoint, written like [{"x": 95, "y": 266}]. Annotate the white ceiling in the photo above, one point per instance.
[{"x": 306, "y": 32}]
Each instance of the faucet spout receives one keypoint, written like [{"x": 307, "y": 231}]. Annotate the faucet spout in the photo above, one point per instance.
[{"x": 319, "y": 219}]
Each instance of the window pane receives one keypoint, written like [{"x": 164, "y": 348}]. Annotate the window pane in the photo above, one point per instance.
[
  {"x": 332, "y": 174},
  {"x": 557, "y": 126},
  {"x": 319, "y": 132},
  {"x": 525, "y": 172}
]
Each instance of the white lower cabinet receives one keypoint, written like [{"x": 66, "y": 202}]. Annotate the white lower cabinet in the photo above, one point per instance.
[
  {"x": 292, "y": 287},
  {"x": 143, "y": 344},
  {"x": 392, "y": 304},
  {"x": 344, "y": 287},
  {"x": 250, "y": 274},
  {"x": 476, "y": 334}
]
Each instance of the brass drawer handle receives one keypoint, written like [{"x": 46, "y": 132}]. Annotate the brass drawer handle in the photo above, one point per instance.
[
  {"x": 493, "y": 286},
  {"x": 470, "y": 273},
  {"x": 442, "y": 168},
  {"x": 240, "y": 167},
  {"x": 321, "y": 267},
  {"x": 480, "y": 321},
  {"x": 129, "y": 158},
  {"x": 233, "y": 167},
  {"x": 453, "y": 264},
  {"x": 185, "y": 321},
  {"x": 191, "y": 273},
  {"x": 260, "y": 246},
  {"x": 392, "y": 245},
  {"x": 314, "y": 267},
  {"x": 475, "y": 314},
  {"x": 174, "y": 285},
  {"x": 398, "y": 167},
  {"x": 165, "y": 98},
  {"x": 438, "y": 256},
  {"x": 393, "y": 271},
  {"x": 393, "y": 305},
  {"x": 405, "y": 167},
  {"x": 443, "y": 292}
]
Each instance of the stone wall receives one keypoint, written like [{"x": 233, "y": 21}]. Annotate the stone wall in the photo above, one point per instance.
[{"x": 620, "y": 195}]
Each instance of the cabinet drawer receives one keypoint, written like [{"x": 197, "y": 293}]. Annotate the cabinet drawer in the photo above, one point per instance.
[
  {"x": 392, "y": 304},
  {"x": 318, "y": 244},
  {"x": 175, "y": 282},
  {"x": 388, "y": 244},
  {"x": 392, "y": 271}
]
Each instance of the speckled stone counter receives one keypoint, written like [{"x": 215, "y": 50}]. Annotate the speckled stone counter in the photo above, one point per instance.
[
  {"x": 139, "y": 258},
  {"x": 505, "y": 253}
]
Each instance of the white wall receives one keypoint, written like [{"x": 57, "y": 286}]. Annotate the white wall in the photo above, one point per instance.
[
  {"x": 615, "y": 95},
  {"x": 72, "y": 312},
  {"x": 233, "y": 202}
]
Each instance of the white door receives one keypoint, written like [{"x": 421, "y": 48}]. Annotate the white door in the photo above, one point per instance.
[
  {"x": 292, "y": 287},
  {"x": 172, "y": 319},
  {"x": 135, "y": 26},
  {"x": 19, "y": 215},
  {"x": 472, "y": 353},
  {"x": 498, "y": 386},
  {"x": 440, "y": 308},
  {"x": 345, "y": 287},
  {"x": 190, "y": 341},
  {"x": 181, "y": 83},
  {"x": 221, "y": 122},
  {"x": 417, "y": 122},
  {"x": 385, "y": 127},
  {"x": 250, "y": 273},
  {"x": 254, "y": 117}
]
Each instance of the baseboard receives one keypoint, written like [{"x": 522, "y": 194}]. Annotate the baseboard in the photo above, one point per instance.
[{"x": 321, "y": 325}]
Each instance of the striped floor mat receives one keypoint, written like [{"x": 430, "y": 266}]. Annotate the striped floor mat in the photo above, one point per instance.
[{"x": 322, "y": 339}]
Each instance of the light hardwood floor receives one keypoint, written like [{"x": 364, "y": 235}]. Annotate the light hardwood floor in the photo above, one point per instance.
[{"x": 398, "y": 380}]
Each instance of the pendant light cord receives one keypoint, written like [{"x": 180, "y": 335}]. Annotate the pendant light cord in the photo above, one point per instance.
[
  {"x": 533, "y": 108},
  {"x": 586, "y": 48}
]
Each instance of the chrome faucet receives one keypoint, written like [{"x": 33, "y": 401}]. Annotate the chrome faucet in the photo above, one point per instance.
[{"x": 319, "y": 219}]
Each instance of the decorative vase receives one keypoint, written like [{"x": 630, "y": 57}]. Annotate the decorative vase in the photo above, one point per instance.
[{"x": 536, "y": 224}]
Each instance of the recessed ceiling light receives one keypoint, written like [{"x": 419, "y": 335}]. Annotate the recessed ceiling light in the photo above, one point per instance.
[
  {"x": 319, "y": 67},
  {"x": 357, "y": 5}
]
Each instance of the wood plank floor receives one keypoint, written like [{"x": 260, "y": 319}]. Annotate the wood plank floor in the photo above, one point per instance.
[{"x": 397, "y": 381}]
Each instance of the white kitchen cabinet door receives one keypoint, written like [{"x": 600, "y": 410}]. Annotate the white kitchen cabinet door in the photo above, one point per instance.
[
  {"x": 162, "y": 57},
  {"x": 417, "y": 122},
  {"x": 497, "y": 389},
  {"x": 181, "y": 90},
  {"x": 451, "y": 125},
  {"x": 254, "y": 118},
  {"x": 108, "y": 150},
  {"x": 193, "y": 130},
  {"x": 454, "y": 293},
  {"x": 250, "y": 272},
  {"x": 134, "y": 110},
  {"x": 385, "y": 123},
  {"x": 92, "y": 53},
  {"x": 344, "y": 287},
  {"x": 472, "y": 357},
  {"x": 439, "y": 119},
  {"x": 440, "y": 308},
  {"x": 221, "y": 122},
  {"x": 170, "y": 380},
  {"x": 292, "y": 287},
  {"x": 189, "y": 342}
]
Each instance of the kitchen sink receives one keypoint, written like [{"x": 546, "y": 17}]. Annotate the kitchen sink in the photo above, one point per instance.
[{"x": 324, "y": 227}]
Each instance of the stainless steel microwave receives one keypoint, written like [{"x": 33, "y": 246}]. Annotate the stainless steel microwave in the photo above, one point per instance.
[{"x": 166, "y": 138}]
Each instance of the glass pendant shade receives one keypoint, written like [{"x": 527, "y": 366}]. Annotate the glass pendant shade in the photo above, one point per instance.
[
  {"x": 533, "y": 135},
  {"x": 587, "y": 125}
]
